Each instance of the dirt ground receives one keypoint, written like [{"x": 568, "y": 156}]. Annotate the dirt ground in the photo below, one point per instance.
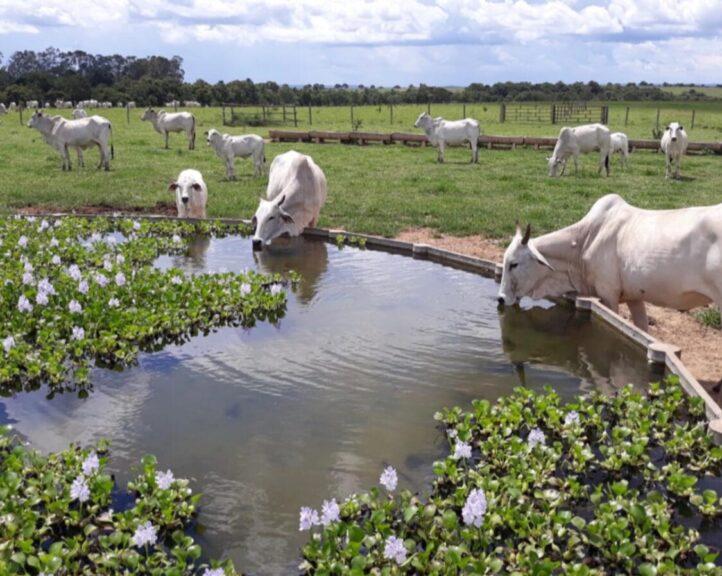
[{"x": 701, "y": 346}]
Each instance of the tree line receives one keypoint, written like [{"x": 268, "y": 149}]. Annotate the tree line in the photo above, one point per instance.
[{"x": 151, "y": 81}]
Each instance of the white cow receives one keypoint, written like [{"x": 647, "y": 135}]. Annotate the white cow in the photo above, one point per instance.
[
  {"x": 46, "y": 130},
  {"x": 167, "y": 122},
  {"x": 442, "y": 132},
  {"x": 295, "y": 195},
  {"x": 13, "y": 106},
  {"x": 229, "y": 147},
  {"x": 192, "y": 104},
  {"x": 620, "y": 143},
  {"x": 191, "y": 194},
  {"x": 622, "y": 254},
  {"x": 79, "y": 113},
  {"x": 130, "y": 104},
  {"x": 3, "y": 110},
  {"x": 84, "y": 133},
  {"x": 579, "y": 140},
  {"x": 31, "y": 104},
  {"x": 674, "y": 145}
]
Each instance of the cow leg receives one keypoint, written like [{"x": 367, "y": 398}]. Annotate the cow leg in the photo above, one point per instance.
[
  {"x": 81, "y": 161},
  {"x": 576, "y": 165},
  {"x": 474, "y": 152},
  {"x": 230, "y": 169},
  {"x": 638, "y": 312},
  {"x": 440, "y": 158},
  {"x": 166, "y": 139},
  {"x": 66, "y": 156},
  {"x": 666, "y": 167}
]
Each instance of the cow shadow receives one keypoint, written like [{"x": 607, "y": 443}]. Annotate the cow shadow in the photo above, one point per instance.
[{"x": 309, "y": 258}]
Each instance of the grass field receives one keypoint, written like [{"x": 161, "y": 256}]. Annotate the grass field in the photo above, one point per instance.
[
  {"x": 375, "y": 189},
  {"x": 711, "y": 91}
]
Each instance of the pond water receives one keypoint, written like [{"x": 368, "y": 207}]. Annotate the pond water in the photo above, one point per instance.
[{"x": 270, "y": 419}]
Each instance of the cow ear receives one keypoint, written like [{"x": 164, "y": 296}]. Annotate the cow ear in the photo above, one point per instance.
[
  {"x": 518, "y": 229},
  {"x": 540, "y": 257},
  {"x": 196, "y": 186},
  {"x": 527, "y": 235},
  {"x": 287, "y": 218},
  {"x": 281, "y": 201},
  {"x": 172, "y": 187}
]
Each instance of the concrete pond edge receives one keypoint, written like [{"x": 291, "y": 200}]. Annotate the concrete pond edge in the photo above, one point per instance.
[{"x": 660, "y": 354}]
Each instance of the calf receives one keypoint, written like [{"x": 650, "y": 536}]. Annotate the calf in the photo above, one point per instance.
[
  {"x": 620, "y": 144},
  {"x": 191, "y": 194},
  {"x": 674, "y": 145},
  {"x": 229, "y": 147}
]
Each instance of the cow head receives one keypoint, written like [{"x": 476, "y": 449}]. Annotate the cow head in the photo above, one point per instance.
[
  {"x": 270, "y": 221},
  {"x": 524, "y": 268},
  {"x": 423, "y": 121},
  {"x": 213, "y": 136},
  {"x": 555, "y": 164},
  {"x": 186, "y": 192},
  {"x": 675, "y": 130},
  {"x": 149, "y": 114}
]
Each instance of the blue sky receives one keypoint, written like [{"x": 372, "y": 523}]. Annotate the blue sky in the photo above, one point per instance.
[{"x": 387, "y": 42}]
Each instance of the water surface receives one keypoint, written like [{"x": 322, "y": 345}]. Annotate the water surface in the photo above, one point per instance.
[{"x": 276, "y": 417}]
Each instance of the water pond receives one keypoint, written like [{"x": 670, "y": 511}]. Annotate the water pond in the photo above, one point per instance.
[{"x": 269, "y": 419}]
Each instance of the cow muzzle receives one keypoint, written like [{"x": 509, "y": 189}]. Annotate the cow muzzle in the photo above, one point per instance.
[
  {"x": 674, "y": 139},
  {"x": 185, "y": 199},
  {"x": 257, "y": 244}
]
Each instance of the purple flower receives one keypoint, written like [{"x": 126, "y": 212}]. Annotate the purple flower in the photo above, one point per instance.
[
  {"x": 56, "y": 260},
  {"x": 78, "y": 333},
  {"x": 330, "y": 512},
  {"x": 389, "y": 479},
  {"x": 74, "y": 272},
  {"x": 45, "y": 286},
  {"x": 41, "y": 298},
  {"x": 28, "y": 279},
  {"x": 571, "y": 418},
  {"x": 474, "y": 508},
  {"x": 120, "y": 259},
  {"x": 145, "y": 534},
  {"x": 79, "y": 490},
  {"x": 536, "y": 437},
  {"x": 24, "y": 304},
  {"x": 91, "y": 464},
  {"x": 245, "y": 289},
  {"x": 8, "y": 344},
  {"x": 164, "y": 480},
  {"x": 276, "y": 289},
  {"x": 308, "y": 518},
  {"x": 83, "y": 287},
  {"x": 101, "y": 280},
  {"x": 395, "y": 550},
  {"x": 136, "y": 225},
  {"x": 462, "y": 450},
  {"x": 27, "y": 266},
  {"x": 176, "y": 239},
  {"x": 176, "y": 280},
  {"x": 214, "y": 572},
  {"x": 75, "y": 307},
  {"x": 54, "y": 242},
  {"x": 113, "y": 302},
  {"x": 120, "y": 279},
  {"x": 22, "y": 241}
]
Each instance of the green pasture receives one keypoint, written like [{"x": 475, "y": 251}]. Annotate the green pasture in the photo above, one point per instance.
[{"x": 375, "y": 189}]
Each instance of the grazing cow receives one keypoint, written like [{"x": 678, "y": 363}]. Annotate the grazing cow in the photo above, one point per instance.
[
  {"x": 620, "y": 143},
  {"x": 3, "y": 110},
  {"x": 192, "y": 104},
  {"x": 79, "y": 113},
  {"x": 294, "y": 197},
  {"x": 622, "y": 254},
  {"x": 579, "y": 140},
  {"x": 167, "y": 122},
  {"x": 442, "y": 132},
  {"x": 84, "y": 133},
  {"x": 31, "y": 104},
  {"x": 191, "y": 194},
  {"x": 674, "y": 145},
  {"x": 229, "y": 147}
]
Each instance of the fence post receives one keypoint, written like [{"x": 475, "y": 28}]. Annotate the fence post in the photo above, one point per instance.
[
  {"x": 310, "y": 117},
  {"x": 295, "y": 118},
  {"x": 657, "y": 123},
  {"x": 693, "y": 114},
  {"x": 605, "y": 115},
  {"x": 502, "y": 113},
  {"x": 554, "y": 113},
  {"x": 352, "y": 118},
  {"x": 284, "y": 113},
  {"x": 428, "y": 108},
  {"x": 463, "y": 110},
  {"x": 20, "y": 110},
  {"x": 127, "y": 113},
  {"x": 626, "y": 116}
]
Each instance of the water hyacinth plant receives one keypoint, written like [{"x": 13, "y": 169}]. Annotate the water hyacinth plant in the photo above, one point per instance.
[
  {"x": 57, "y": 517},
  {"x": 600, "y": 486},
  {"x": 76, "y": 292}
]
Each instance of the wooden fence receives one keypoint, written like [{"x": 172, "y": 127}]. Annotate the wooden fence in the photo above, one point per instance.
[{"x": 491, "y": 142}]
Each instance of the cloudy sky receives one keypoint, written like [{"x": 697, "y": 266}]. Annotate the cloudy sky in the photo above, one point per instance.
[{"x": 387, "y": 42}]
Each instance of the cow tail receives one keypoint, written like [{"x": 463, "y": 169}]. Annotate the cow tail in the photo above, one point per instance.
[
  {"x": 194, "y": 129},
  {"x": 112, "y": 149},
  {"x": 606, "y": 162}
]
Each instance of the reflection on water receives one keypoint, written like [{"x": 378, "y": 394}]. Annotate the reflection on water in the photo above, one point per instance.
[{"x": 270, "y": 419}]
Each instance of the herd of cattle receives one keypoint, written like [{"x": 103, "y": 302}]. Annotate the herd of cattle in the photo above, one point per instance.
[{"x": 617, "y": 252}]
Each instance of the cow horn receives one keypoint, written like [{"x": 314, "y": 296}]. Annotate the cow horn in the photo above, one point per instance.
[{"x": 527, "y": 235}]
